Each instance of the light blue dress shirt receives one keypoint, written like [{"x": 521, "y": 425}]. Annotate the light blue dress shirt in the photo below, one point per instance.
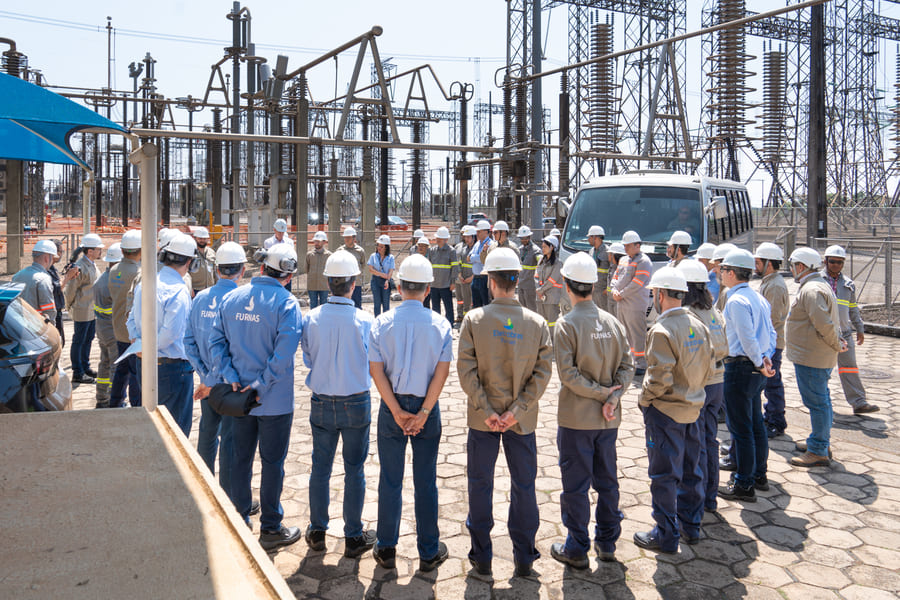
[
  {"x": 410, "y": 340},
  {"x": 713, "y": 286},
  {"x": 335, "y": 343},
  {"x": 173, "y": 307},
  {"x": 475, "y": 255},
  {"x": 748, "y": 324},
  {"x": 382, "y": 266},
  {"x": 204, "y": 309}
]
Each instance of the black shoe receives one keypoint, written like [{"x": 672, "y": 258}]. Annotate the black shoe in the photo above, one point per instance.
[
  {"x": 523, "y": 570},
  {"x": 254, "y": 508},
  {"x": 732, "y": 491},
  {"x": 482, "y": 568},
  {"x": 433, "y": 563},
  {"x": 558, "y": 551},
  {"x": 282, "y": 537},
  {"x": 720, "y": 418},
  {"x": 604, "y": 555},
  {"x": 648, "y": 541},
  {"x": 357, "y": 546},
  {"x": 83, "y": 379},
  {"x": 725, "y": 448},
  {"x": 801, "y": 447},
  {"x": 315, "y": 539},
  {"x": 91, "y": 372},
  {"x": 385, "y": 557},
  {"x": 639, "y": 372},
  {"x": 773, "y": 432},
  {"x": 865, "y": 408},
  {"x": 761, "y": 483},
  {"x": 726, "y": 464}
]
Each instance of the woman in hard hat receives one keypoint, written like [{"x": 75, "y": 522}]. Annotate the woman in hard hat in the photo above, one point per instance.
[
  {"x": 381, "y": 266},
  {"x": 79, "y": 290},
  {"x": 548, "y": 278}
]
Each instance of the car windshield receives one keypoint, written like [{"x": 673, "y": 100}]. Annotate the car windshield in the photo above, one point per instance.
[
  {"x": 20, "y": 330},
  {"x": 653, "y": 212}
]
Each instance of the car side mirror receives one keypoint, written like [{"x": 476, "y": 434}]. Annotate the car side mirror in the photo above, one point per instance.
[
  {"x": 562, "y": 208},
  {"x": 717, "y": 209}
]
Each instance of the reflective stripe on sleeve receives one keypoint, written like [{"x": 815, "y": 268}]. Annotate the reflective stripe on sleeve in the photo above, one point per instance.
[
  {"x": 102, "y": 311},
  {"x": 45, "y": 307},
  {"x": 529, "y": 267},
  {"x": 599, "y": 270}
]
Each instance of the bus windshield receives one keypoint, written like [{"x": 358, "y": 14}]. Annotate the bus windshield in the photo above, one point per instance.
[{"x": 653, "y": 212}]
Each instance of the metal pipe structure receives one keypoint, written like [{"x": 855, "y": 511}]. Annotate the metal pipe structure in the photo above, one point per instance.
[{"x": 375, "y": 31}]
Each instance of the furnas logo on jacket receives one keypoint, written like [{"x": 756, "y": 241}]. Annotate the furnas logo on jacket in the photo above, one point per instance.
[
  {"x": 210, "y": 313},
  {"x": 248, "y": 316},
  {"x": 600, "y": 334},
  {"x": 214, "y": 303}
]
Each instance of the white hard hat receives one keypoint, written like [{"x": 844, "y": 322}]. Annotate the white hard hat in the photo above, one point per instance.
[
  {"x": 551, "y": 240},
  {"x": 341, "y": 264},
  {"x": 281, "y": 257},
  {"x": 469, "y": 230},
  {"x": 46, "y": 247},
  {"x": 739, "y": 258},
  {"x": 230, "y": 253},
  {"x": 181, "y": 244},
  {"x": 201, "y": 232},
  {"x": 835, "y": 251},
  {"x": 114, "y": 254},
  {"x": 680, "y": 238},
  {"x": 617, "y": 248},
  {"x": 91, "y": 240},
  {"x": 806, "y": 256},
  {"x": 669, "y": 278},
  {"x": 131, "y": 240},
  {"x": 722, "y": 250},
  {"x": 280, "y": 225},
  {"x": 442, "y": 233},
  {"x": 705, "y": 250},
  {"x": 524, "y": 231},
  {"x": 348, "y": 231},
  {"x": 502, "y": 259},
  {"x": 483, "y": 225},
  {"x": 555, "y": 232},
  {"x": 165, "y": 236},
  {"x": 693, "y": 271},
  {"x": 595, "y": 230},
  {"x": 416, "y": 269},
  {"x": 384, "y": 240},
  {"x": 418, "y": 233},
  {"x": 423, "y": 241},
  {"x": 580, "y": 267},
  {"x": 769, "y": 251},
  {"x": 320, "y": 236},
  {"x": 501, "y": 226},
  {"x": 631, "y": 237}
]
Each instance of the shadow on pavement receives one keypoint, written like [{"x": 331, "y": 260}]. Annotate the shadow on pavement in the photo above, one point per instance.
[
  {"x": 869, "y": 425},
  {"x": 341, "y": 579}
]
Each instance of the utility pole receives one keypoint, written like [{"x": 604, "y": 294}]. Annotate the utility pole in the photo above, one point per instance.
[{"x": 816, "y": 206}]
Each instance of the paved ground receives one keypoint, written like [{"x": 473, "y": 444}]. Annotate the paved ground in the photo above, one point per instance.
[{"x": 820, "y": 533}]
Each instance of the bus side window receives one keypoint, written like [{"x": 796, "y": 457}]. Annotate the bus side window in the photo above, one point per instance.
[
  {"x": 747, "y": 208},
  {"x": 731, "y": 216},
  {"x": 714, "y": 226}
]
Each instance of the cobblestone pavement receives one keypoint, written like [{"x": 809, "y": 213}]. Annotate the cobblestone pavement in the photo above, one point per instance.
[{"x": 819, "y": 533}]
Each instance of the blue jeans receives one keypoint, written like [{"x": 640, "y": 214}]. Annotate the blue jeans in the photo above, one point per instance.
[
  {"x": 176, "y": 390},
  {"x": 774, "y": 391},
  {"x": 317, "y": 297},
  {"x": 212, "y": 427},
  {"x": 273, "y": 434},
  {"x": 392, "y": 456},
  {"x": 813, "y": 385},
  {"x": 587, "y": 459},
  {"x": 381, "y": 295},
  {"x": 357, "y": 296},
  {"x": 743, "y": 413},
  {"x": 346, "y": 418},
  {"x": 521, "y": 459},
  {"x": 676, "y": 481},
  {"x": 128, "y": 375},
  {"x": 480, "y": 295},
  {"x": 709, "y": 443},
  {"x": 80, "y": 351},
  {"x": 445, "y": 296}
]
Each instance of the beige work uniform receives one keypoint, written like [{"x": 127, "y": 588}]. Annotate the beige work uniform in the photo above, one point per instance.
[
  {"x": 360, "y": 254},
  {"x": 812, "y": 330},
  {"x": 529, "y": 255},
  {"x": 715, "y": 323},
  {"x": 463, "y": 290},
  {"x": 205, "y": 276},
  {"x": 79, "y": 291},
  {"x": 851, "y": 322},
  {"x": 315, "y": 270},
  {"x": 121, "y": 278},
  {"x": 631, "y": 310},
  {"x": 600, "y": 295},
  {"x": 549, "y": 283}
]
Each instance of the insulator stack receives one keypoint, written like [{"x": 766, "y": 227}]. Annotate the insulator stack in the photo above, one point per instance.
[
  {"x": 729, "y": 75},
  {"x": 774, "y": 105},
  {"x": 505, "y": 166},
  {"x": 12, "y": 62},
  {"x": 895, "y": 139},
  {"x": 602, "y": 92}
]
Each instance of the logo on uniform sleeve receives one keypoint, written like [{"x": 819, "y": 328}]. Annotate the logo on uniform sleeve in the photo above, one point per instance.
[{"x": 248, "y": 316}]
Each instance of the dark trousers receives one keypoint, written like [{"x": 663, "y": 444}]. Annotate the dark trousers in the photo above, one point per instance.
[
  {"x": 709, "y": 442},
  {"x": 521, "y": 460},
  {"x": 214, "y": 427},
  {"x": 743, "y": 413},
  {"x": 127, "y": 375},
  {"x": 676, "y": 481},
  {"x": 175, "y": 380},
  {"x": 774, "y": 391},
  {"x": 381, "y": 295},
  {"x": 80, "y": 351},
  {"x": 317, "y": 297},
  {"x": 480, "y": 295},
  {"x": 273, "y": 435},
  {"x": 587, "y": 459},
  {"x": 356, "y": 296},
  {"x": 445, "y": 296}
]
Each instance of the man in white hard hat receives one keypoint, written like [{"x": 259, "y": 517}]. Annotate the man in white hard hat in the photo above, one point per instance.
[
  {"x": 253, "y": 342},
  {"x": 529, "y": 255},
  {"x": 205, "y": 275},
  {"x": 410, "y": 350},
  {"x": 121, "y": 279},
  {"x": 316, "y": 282},
  {"x": 751, "y": 344},
  {"x": 279, "y": 236},
  {"x": 504, "y": 368},
  {"x": 79, "y": 291},
  {"x": 501, "y": 234},
  {"x": 555, "y": 232},
  {"x": 718, "y": 256},
  {"x": 600, "y": 253},
  {"x": 594, "y": 364},
  {"x": 768, "y": 258},
  {"x": 173, "y": 299},
  {"x": 464, "y": 279},
  {"x": 335, "y": 342},
  {"x": 680, "y": 361},
  {"x": 106, "y": 335},
  {"x": 851, "y": 330},
  {"x": 812, "y": 342},
  {"x": 417, "y": 235},
  {"x": 356, "y": 250},
  {"x": 38, "y": 290},
  {"x": 632, "y": 297},
  {"x": 477, "y": 256},
  {"x": 677, "y": 247},
  {"x": 446, "y": 269},
  {"x": 705, "y": 254}
]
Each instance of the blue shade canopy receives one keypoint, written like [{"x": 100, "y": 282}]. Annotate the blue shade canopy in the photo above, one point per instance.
[{"x": 36, "y": 124}]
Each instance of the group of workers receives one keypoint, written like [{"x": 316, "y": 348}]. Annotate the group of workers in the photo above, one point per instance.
[{"x": 706, "y": 350}]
